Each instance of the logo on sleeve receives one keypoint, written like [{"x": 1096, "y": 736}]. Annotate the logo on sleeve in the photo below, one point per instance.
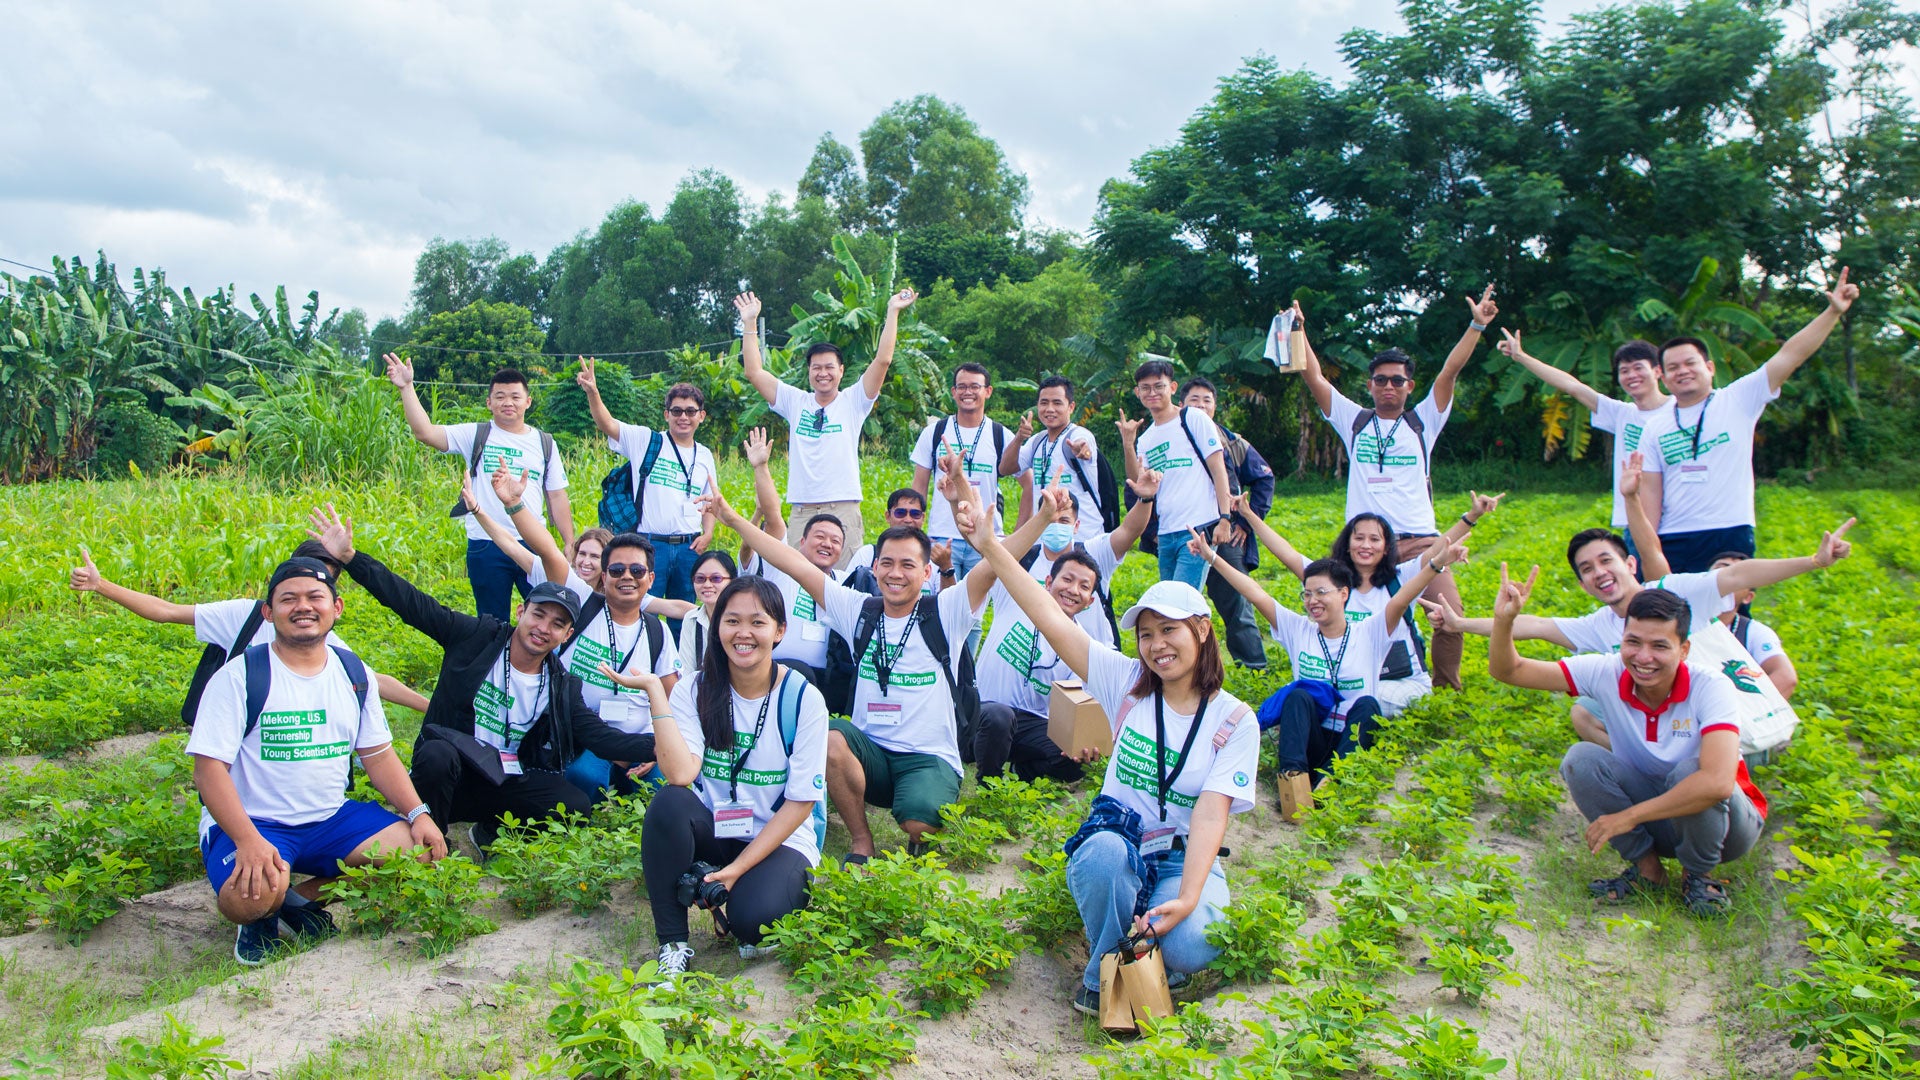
[
  {"x": 819, "y": 781},
  {"x": 1239, "y": 779}
]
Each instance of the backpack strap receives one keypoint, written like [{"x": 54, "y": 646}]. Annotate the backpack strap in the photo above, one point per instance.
[
  {"x": 546, "y": 470},
  {"x": 1027, "y": 560},
  {"x": 793, "y": 691},
  {"x": 594, "y": 605},
  {"x": 1413, "y": 625},
  {"x": 356, "y": 674},
  {"x": 1742, "y": 624},
  {"x": 248, "y": 627},
  {"x": 652, "y": 455},
  {"x": 1199, "y": 458},
  {"x": 259, "y": 681},
  {"x": 939, "y": 433},
  {"x": 1413, "y": 422},
  {"x": 935, "y": 637},
  {"x": 481, "y": 433},
  {"x": 1080, "y": 474},
  {"x": 1225, "y": 731},
  {"x": 1120, "y": 718},
  {"x": 871, "y": 610},
  {"x": 656, "y": 637}
]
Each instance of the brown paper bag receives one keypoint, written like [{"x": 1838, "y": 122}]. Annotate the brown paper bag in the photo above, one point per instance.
[
  {"x": 1145, "y": 980},
  {"x": 1116, "y": 1010},
  {"x": 1296, "y": 795}
]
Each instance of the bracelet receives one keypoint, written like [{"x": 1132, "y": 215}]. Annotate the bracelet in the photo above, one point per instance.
[
  {"x": 658, "y": 719},
  {"x": 1147, "y": 498},
  {"x": 1470, "y": 522},
  {"x": 515, "y": 508},
  {"x": 1477, "y": 327},
  {"x": 416, "y": 812},
  {"x": 947, "y": 571}
]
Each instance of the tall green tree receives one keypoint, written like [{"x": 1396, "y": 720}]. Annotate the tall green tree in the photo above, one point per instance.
[
  {"x": 927, "y": 163},
  {"x": 467, "y": 346}
]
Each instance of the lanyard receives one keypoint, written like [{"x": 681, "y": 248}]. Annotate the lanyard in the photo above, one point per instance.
[
  {"x": 686, "y": 472},
  {"x": 739, "y": 755},
  {"x": 1160, "y": 747},
  {"x": 613, "y": 643},
  {"x": 966, "y": 467},
  {"x": 1333, "y": 663},
  {"x": 1043, "y": 467},
  {"x": 506, "y": 690},
  {"x": 1699, "y": 425},
  {"x": 883, "y": 662},
  {"x": 1380, "y": 444}
]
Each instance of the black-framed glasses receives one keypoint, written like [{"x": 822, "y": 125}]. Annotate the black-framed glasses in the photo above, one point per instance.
[
  {"x": 1391, "y": 380},
  {"x": 622, "y": 569},
  {"x": 969, "y": 386},
  {"x": 683, "y": 410}
]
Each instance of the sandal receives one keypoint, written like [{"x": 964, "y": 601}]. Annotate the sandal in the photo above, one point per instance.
[
  {"x": 1623, "y": 889},
  {"x": 1706, "y": 897}
]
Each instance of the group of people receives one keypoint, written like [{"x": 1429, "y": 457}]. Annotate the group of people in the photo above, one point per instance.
[{"x": 820, "y": 668}]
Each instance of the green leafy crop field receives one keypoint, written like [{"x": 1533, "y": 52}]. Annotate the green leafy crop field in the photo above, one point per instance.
[{"x": 1429, "y": 919}]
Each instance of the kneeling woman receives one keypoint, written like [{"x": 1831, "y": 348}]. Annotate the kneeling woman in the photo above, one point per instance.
[
  {"x": 1146, "y": 862},
  {"x": 745, "y": 759}
]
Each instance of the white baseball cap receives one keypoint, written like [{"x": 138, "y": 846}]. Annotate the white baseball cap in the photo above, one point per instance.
[{"x": 1172, "y": 599}]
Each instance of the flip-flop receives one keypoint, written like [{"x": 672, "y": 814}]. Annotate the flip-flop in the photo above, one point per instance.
[{"x": 1624, "y": 889}]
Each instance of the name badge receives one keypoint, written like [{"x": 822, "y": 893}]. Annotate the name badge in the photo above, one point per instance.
[
  {"x": 1693, "y": 474},
  {"x": 733, "y": 821},
  {"x": 1334, "y": 723},
  {"x": 1158, "y": 841},
  {"x": 813, "y": 631},
  {"x": 510, "y": 763},
  {"x": 883, "y": 714},
  {"x": 1380, "y": 482}
]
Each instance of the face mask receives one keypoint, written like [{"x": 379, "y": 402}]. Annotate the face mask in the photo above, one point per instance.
[{"x": 1056, "y": 536}]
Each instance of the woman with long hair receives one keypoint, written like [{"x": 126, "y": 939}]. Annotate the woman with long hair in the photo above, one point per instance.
[
  {"x": 1145, "y": 865},
  {"x": 713, "y": 571},
  {"x": 743, "y": 746}
]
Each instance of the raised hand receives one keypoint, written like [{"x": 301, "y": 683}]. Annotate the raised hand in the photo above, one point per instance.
[
  {"x": 1146, "y": 485},
  {"x": 85, "y": 577},
  {"x": 585, "y": 378},
  {"x": 943, "y": 555},
  {"x": 1058, "y": 500},
  {"x": 711, "y": 501},
  {"x": 748, "y": 305},
  {"x": 399, "y": 372},
  {"x": 1510, "y": 344},
  {"x": 1483, "y": 310},
  {"x": 1453, "y": 553},
  {"x": 976, "y": 527},
  {"x": 759, "y": 448},
  {"x": 1129, "y": 429},
  {"x": 1485, "y": 504},
  {"x": 1630, "y": 474},
  {"x": 509, "y": 488},
  {"x": 1512, "y": 599},
  {"x": 334, "y": 532},
  {"x": 901, "y": 300},
  {"x": 1025, "y": 431},
  {"x": 1082, "y": 448},
  {"x": 1843, "y": 294},
  {"x": 1834, "y": 546},
  {"x": 953, "y": 483}
]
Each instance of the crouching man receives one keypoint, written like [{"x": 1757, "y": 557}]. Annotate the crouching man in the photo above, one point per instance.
[
  {"x": 1671, "y": 783},
  {"x": 271, "y": 750}
]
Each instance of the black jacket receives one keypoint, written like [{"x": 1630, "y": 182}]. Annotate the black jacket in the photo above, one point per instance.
[{"x": 472, "y": 645}]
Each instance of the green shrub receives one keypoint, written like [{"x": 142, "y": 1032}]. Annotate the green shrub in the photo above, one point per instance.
[
  {"x": 129, "y": 433},
  {"x": 179, "y": 1055},
  {"x": 434, "y": 900}
]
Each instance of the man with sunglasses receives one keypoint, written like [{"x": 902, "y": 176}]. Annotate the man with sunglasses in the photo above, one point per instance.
[
  {"x": 981, "y": 443},
  {"x": 907, "y": 507},
  {"x": 1390, "y": 454},
  {"x": 823, "y": 427},
  {"x": 669, "y": 469}
]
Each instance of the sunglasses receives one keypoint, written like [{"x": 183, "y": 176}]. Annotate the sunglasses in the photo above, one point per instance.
[
  {"x": 683, "y": 410},
  {"x": 907, "y": 512},
  {"x": 622, "y": 569},
  {"x": 1391, "y": 380},
  {"x": 711, "y": 579}
]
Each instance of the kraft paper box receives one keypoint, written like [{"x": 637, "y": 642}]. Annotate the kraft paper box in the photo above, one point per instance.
[{"x": 1075, "y": 721}]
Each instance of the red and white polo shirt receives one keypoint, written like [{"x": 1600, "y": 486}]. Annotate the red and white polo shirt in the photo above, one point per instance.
[{"x": 1653, "y": 739}]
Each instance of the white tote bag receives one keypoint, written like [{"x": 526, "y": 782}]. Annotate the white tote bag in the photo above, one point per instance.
[{"x": 1766, "y": 720}]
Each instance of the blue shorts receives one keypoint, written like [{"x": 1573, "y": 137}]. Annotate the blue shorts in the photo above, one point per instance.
[{"x": 316, "y": 848}]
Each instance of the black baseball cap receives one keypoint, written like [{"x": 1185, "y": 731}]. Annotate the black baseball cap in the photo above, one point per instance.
[
  {"x": 548, "y": 592},
  {"x": 300, "y": 567}
]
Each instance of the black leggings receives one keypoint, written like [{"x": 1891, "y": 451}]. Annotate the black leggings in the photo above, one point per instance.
[
  {"x": 679, "y": 830},
  {"x": 1307, "y": 747}
]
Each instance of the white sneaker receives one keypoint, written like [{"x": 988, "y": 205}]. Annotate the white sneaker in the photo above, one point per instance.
[{"x": 673, "y": 960}]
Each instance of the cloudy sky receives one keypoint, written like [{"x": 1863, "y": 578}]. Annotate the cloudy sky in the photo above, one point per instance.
[{"x": 321, "y": 146}]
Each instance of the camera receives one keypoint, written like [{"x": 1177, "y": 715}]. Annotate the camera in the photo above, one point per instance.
[{"x": 694, "y": 890}]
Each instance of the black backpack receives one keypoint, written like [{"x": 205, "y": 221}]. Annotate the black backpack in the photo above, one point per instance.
[
  {"x": 260, "y": 681},
  {"x": 999, "y": 448},
  {"x": 1099, "y": 589},
  {"x": 656, "y": 631},
  {"x": 212, "y": 659},
  {"x": 964, "y": 691},
  {"x": 841, "y": 671},
  {"x": 480, "y": 436},
  {"x": 1150, "y": 539},
  {"x": 1105, "y": 489},
  {"x": 622, "y": 500},
  {"x": 1399, "y": 665}
]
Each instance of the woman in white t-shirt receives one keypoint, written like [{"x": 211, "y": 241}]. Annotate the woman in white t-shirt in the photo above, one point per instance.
[
  {"x": 744, "y": 750},
  {"x": 538, "y": 557},
  {"x": 713, "y": 571},
  {"x": 1146, "y": 862}
]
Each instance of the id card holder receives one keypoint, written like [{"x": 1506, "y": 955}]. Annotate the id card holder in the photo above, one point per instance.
[
  {"x": 813, "y": 631},
  {"x": 1158, "y": 841},
  {"x": 510, "y": 763},
  {"x": 1693, "y": 474},
  {"x": 733, "y": 821},
  {"x": 1379, "y": 482},
  {"x": 883, "y": 714},
  {"x": 1335, "y": 724}
]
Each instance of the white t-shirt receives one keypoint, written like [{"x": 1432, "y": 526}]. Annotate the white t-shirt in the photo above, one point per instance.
[
  {"x": 768, "y": 775},
  {"x": 219, "y": 622},
  {"x": 678, "y": 475},
  {"x": 823, "y": 461},
  {"x": 577, "y": 585},
  {"x": 1359, "y": 654},
  {"x": 806, "y": 639},
  {"x": 1713, "y": 487},
  {"x": 1223, "y": 758},
  {"x": 1362, "y": 606},
  {"x": 1094, "y": 619},
  {"x": 1051, "y": 461},
  {"x": 691, "y": 643},
  {"x": 1387, "y": 471},
  {"x": 915, "y": 715},
  {"x": 520, "y": 450},
  {"x": 1599, "y": 631},
  {"x": 979, "y": 459},
  {"x": 602, "y": 640},
  {"x": 507, "y": 704},
  {"x": 1652, "y": 742},
  {"x": 293, "y": 767},
  {"x": 1762, "y": 642},
  {"x": 1017, "y": 666},
  {"x": 1187, "y": 499},
  {"x": 1627, "y": 422}
]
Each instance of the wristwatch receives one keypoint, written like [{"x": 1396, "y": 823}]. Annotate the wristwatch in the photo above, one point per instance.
[{"x": 416, "y": 812}]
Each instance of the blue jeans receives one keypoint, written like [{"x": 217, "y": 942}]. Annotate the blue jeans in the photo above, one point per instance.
[
  {"x": 1104, "y": 888},
  {"x": 1693, "y": 552},
  {"x": 494, "y": 578},
  {"x": 673, "y": 568},
  {"x": 1179, "y": 564},
  {"x": 964, "y": 558},
  {"x": 597, "y": 776}
]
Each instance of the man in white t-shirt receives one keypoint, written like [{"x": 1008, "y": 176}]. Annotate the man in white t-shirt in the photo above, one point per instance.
[
  {"x": 1699, "y": 484},
  {"x": 1063, "y": 454},
  {"x": 1636, "y": 367},
  {"x": 509, "y": 440},
  {"x": 978, "y": 443},
  {"x": 1107, "y": 550},
  {"x": 1670, "y": 781},
  {"x": 823, "y": 423},
  {"x": 822, "y": 541},
  {"x": 272, "y": 750},
  {"x": 1185, "y": 448},
  {"x": 1760, "y": 640},
  {"x": 219, "y": 623},
  {"x": 667, "y": 469},
  {"x": 1390, "y": 453}
]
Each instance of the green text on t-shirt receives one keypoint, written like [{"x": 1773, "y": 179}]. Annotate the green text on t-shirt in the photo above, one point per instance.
[
  {"x": 810, "y": 426},
  {"x": 585, "y": 660},
  {"x": 1137, "y": 765},
  {"x": 494, "y": 454},
  {"x": 288, "y": 736},
  {"x": 1309, "y": 666},
  {"x": 1677, "y": 446},
  {"x": 1160, "y": 459},
  {"x": 1366, "y": 450},
  {"x": 1017, "y": 649},
  {"x": 491, "y": 707}
]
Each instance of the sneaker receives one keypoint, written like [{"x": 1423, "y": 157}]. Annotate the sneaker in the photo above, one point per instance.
[
  {"x": 310, "y": 923},
  {"x": 673, "y": 960},
  {"x": 483, "y": 835},
  {"x": 756, "y": 952},
  {"x": 1178, "y": 979},
  {"x": 1086, "y": 1001},
  {"x": 253, "y": 942}
]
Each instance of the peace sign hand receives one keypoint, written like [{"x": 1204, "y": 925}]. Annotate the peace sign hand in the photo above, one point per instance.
[
  {"x": 1483, "y": 310},
  {"x": 585, "y": 378},
  {"x": 1844, "y": 293}
]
